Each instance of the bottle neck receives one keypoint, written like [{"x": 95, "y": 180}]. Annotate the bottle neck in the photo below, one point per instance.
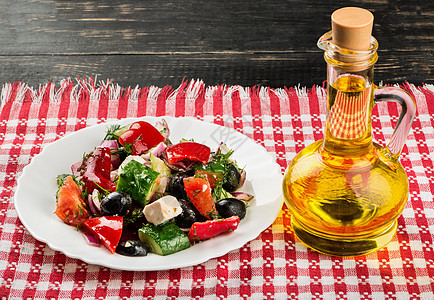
[
  {"x": 349, "y": 105},
  {"x": 349, "y": 99}
]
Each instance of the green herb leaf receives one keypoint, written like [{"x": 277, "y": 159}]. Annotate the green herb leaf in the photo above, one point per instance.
[
  {"x": 135, "y": 215},
  {"x": 111, "y": 132},
  {"x": 183, "y": 140}
]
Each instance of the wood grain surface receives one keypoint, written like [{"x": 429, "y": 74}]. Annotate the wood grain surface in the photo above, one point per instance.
[{"x": 270, "y": 43}]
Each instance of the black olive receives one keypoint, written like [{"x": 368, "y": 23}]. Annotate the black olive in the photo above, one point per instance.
[
  {"x": 175, "y": 186},
  {"x": 231, "y": 181},
  {"x": 123, "y": 153},
  {"x": 116, "y": 204},
  {"x": 231, "y": 207},
  {"x": 132, "y": 248},
  {"x": 188, "y": 216}
]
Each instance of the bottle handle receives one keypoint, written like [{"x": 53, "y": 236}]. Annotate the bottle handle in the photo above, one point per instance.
[{"x": 408, "y": 112}]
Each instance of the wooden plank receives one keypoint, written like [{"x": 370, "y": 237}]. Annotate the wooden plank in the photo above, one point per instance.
[
  {"x": 143, "y": 27},
  {"x": 243, "y": 69}
]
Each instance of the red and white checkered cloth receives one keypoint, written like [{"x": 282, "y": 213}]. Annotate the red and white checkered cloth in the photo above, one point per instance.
[{"x": 275, "y": 264}]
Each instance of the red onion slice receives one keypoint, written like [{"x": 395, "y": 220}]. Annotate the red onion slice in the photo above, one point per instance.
[
  {"x": 94, "y": 202},
  {"x": 243, "y": 178},
  {"x": 75, "y": 168},
  {"x": 243, "y": 196},
  {"x": 163, "y": 128},
  {"x": 91, "y": 239},
  {"x": 114, "y": 147},
  {"x": 222, "y": 149},
  {"x": 158, "y": 150}
]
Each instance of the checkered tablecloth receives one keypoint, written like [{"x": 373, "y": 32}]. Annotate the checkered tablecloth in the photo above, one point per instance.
[{"x": 275, "y": 264}]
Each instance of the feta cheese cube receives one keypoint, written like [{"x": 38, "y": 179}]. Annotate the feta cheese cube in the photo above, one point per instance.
[
  {"x": 162, "y": 210},
  {"x": 130, "y": 158}
]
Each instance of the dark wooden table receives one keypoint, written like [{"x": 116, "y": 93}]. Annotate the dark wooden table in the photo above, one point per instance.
[{"x": 271, "y": 43}]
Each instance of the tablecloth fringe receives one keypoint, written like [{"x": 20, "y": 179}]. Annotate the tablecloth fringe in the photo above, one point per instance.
[{"x": 94, "y": 90}]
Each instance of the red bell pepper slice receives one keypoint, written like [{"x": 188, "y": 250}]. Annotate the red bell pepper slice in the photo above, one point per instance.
[
  {"x": 108, "y": 229},
  {"x": 188, "y": 150},
  {"x": 200, "y": 231},
  {"x": 142, "y": 136},
  {"x": 199, "y": 192},
  {"x": 95, "y": 170}
]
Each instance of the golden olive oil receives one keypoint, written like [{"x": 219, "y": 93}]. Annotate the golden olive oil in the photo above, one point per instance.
[{"x": 345, "y": 192}]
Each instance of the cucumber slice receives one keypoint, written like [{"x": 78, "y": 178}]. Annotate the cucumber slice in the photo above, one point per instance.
[
  {"x": 121, "y": 130},
  {"x": 115, "y": 131},
  {"x": 137, "y": 180},
  {"x": 220, "y": 193},
  {"x": 164, "y": 239},
  {"x": 159, "y": 166},
  {"x": 152, "y": 190}
]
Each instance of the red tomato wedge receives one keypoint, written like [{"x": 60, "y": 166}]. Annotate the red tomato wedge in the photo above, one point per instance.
[
  {"x": 200, "y": 231},
  {"x": 108, "y": 229},
  {"x": 70, "y": 206},
  {"x": 213, "y": 179},
  {"x": 188, "y": 150},
  {"x": 142, "y": 136},
  {"x": 199, "y": 191}
]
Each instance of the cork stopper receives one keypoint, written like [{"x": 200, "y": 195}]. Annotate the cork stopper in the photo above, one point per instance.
[{"x": 352, "y": 28}]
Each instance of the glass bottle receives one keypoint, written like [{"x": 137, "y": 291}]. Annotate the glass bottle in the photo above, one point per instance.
[{"x": 345, "y": 192}]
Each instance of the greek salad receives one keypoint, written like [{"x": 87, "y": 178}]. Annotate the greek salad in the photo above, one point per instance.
[{"x": 138, "y": 192}]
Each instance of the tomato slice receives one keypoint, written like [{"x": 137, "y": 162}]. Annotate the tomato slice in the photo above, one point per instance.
[
  {"x": 213, "y": 177},
  {"x": 108, "y": 229},
  {"x": 142, "y": 136},
  {"x": 188, "y": 150},
  {"x": 70, "y": 206},
  {"x": 199, "y": 191}
]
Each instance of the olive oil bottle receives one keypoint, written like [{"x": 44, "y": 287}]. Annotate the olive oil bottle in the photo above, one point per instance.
[{"x": 345, "y": 192}]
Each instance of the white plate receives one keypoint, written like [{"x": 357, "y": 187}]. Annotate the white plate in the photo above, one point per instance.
[{"x": 35, "y": 195}]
